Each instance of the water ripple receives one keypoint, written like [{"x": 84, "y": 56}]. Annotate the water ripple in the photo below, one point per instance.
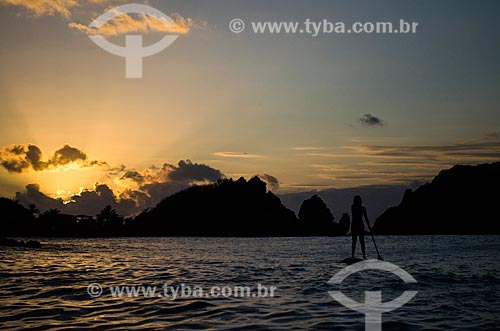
[{"x": 46, "y": 289}]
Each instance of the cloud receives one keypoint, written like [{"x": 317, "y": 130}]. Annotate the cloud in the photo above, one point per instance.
[
  {"x": 68, "y": 154},
  {"x": 151, "y": 185},
  {"x": 154, "y": 192},
  {"x": 92, "y": 201},
  {"x": 13, "y": 158},
  {"x": 327, "y": 155},
  {"x": 306, "y": 148},
  {"x": 184, "y": 171},
  {"x": 477, "y": 151},
  {"x": 379, "y": 177},
  {"x": 370, "y": 120},
  {"x": 134, "y": 175},
  {"x": 491, "y": 135},
  {"x": 119, "y": 25},
  {"x": 135, "y": 190},
  {"x": 20, "y": 158},
  {"x": 236, "y": 154},
  {"x": 385, "y": 163},
  {"x": 65, "y": 8},
  {"x": 410, "y": 163},
  {"x": 42, "y": 201},
  {"x": 44, "y": 7},
  {"x": 34, "y": 157},
  {"x": 271, "y": 181},
  {"x": 125, "y": 24},
  {"x": 356, "y": 174},
  {"x": 154, "y": 184},
  {"x": 189, "y": 171},
  {"x": 87, "y": 202}
]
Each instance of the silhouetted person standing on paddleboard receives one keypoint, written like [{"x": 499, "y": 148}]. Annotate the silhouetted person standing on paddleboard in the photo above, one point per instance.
[{"x": 357, "y": 226}]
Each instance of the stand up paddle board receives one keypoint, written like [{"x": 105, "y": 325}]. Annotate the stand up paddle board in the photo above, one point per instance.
[{"x": 351, "y": 260}]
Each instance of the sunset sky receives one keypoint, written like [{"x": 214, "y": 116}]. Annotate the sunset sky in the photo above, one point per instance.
[{"x": 309, "y": 112}]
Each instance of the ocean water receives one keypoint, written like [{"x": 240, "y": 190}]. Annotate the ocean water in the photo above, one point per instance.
[{"x": 458, "y": 283}]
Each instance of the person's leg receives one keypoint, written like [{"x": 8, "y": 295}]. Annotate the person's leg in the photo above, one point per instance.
[
  {"x": 353, "y": 245},
  {"x": 362, "y": 242}
]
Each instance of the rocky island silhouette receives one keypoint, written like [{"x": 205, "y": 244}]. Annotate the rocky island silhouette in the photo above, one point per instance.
[{"x": 460, "y": 200}]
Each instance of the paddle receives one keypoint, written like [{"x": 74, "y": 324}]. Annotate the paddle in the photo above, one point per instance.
[{"x": 373, "y": 238}]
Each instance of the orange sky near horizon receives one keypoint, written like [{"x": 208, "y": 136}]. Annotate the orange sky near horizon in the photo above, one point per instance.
[{"x": 312, "y": 112}]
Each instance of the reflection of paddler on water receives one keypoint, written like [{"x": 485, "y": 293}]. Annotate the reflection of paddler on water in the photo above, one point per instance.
[{"x": 358, "y": 212}]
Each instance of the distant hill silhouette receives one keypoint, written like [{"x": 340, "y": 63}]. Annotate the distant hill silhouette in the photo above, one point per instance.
[
  {"x": 460, "y": 200},
  {"x": 225, "y": 208},
  {"x": 234, "y": 208}
]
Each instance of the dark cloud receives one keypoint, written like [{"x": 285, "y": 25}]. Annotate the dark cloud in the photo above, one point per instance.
[
  {"x": 370, "y": 120},
  {"x": 16, "y": 149},
  {"x": 152, "y": 185},
  {"x": 160, "y": 190},
  {"x": 17, "y": 166},
  {"x": 271, "y": 181},
  {"x": 42, "y": 201},
  {"x": 88, "y": 202},
  {"x": 142, "y": 200},
  {"x": 68, "y": 154},
  {"x": 19, "y": 158},
  {"x": 134, "y": 175},
  {"x": 155, "y": 184},
  {"x": 34, "y": 156},
  {"x": 13, "y": 159},
  {"x": 189, "y": 171},
  {"x": 115, "y": 171},
  {"x": 185, "y": 172},
  {"x": 148, "y": 186}
]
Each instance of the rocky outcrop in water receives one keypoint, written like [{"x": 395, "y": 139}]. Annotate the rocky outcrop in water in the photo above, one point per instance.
[
  {"x": 460, "y": 200},
  {"x": 315, "y": 218},
  {"x": 19, "y": 243}
]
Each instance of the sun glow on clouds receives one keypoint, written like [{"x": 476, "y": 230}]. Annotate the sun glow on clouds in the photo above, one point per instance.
[
  {"x": 65, "y": 8},
  {"x": 68, "y": 170},
  {"x": 119, "y": 25},
  {"x": 22, "y": 158},
  {"x": 45, "y": 7},
  {"x": 65, "y": 195},
  {"x": 126, "y": 23},
  {"x": 51, "y": 182}
]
